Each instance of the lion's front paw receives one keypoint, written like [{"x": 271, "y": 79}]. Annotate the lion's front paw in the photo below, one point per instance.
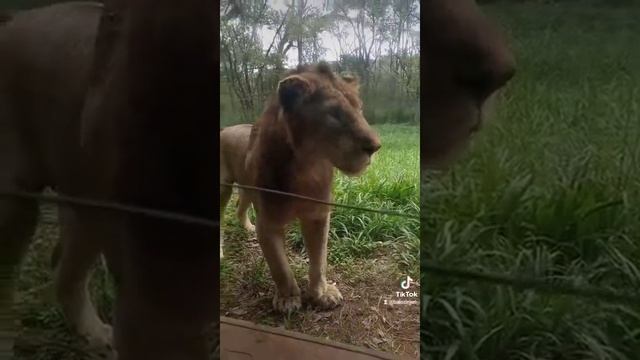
[
  {"x": 326, "y": 297},
  {"x": 100, "y": 341},
  {"x": 99, "y": 335},
  {"x": 286, "y": 304},
  {"x": 250, "y": 228},
  {"x": 107, "y": 354}
]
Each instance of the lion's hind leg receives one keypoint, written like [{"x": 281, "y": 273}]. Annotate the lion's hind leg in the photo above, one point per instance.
[
  {"x": 225, "y": 195},
  {"x": 244, "y": 202}
]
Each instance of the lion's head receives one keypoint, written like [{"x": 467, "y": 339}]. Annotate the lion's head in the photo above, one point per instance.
[
  {"x": 323, "y": 116},
  {"x": 466, "y": 61}
]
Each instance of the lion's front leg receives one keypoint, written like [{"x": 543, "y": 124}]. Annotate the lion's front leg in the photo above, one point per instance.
[
  {"x": 271, "y": 238},
  {"x": 81, "y": 238},
  {"x": 316, "y": 235}
]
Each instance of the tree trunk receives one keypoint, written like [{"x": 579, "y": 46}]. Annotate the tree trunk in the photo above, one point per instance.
[{"x": 301, "y": 5}]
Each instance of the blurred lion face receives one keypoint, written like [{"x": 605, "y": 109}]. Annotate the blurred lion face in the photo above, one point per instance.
[{"x": 466, "y": 61}]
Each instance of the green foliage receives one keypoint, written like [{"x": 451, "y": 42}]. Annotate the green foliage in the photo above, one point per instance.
[{"x": 548, "y": 191}]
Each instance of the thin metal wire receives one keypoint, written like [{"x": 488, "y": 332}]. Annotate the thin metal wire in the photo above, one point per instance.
[
  {"x": 318, "y": 201},
  {"x": 106, "y": 205}
]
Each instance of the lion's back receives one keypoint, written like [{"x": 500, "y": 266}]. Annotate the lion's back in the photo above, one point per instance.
[
  {"x": 234, "y": 146},
  {"x": 45, "y": 59}
]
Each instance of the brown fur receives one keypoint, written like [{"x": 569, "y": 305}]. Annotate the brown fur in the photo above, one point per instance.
[
  {"x": 43, "y": 76},
  {"x": 125, "y": 146},
  {"x": 312, "y": 125},
  {"x": 466, "y": 61},
  {"x": 155, "y": 122}
]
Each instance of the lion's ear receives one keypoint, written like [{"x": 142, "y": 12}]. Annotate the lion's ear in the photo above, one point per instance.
[
  {"x": 351, "y": 80},
  {"x": 292, "y": 90}
]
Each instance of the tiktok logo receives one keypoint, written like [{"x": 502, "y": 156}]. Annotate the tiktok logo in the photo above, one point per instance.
[
  {"x": 405, "y": 284},
  {"x": 404, "y": 297}
]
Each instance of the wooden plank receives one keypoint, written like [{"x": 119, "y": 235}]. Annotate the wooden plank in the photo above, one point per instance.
[{"x": 243, "y": 340}]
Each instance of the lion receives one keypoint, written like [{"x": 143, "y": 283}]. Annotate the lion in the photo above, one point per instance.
[
  {"x": 467, "y": 60},
  {"x": 234, "y": 146},
  {"x": 312, "y": 125},
  {"x": 146, "y": 137}
]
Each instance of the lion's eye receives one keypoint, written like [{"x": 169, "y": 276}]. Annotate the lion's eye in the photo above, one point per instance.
[
  {"x": 333, "y": 122},
  {"x": 335, "y": 118}
]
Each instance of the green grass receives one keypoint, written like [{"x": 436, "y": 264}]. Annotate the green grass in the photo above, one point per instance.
[
  {"x": 548, "y": 190},
  {"x": 391, "y": 183}
]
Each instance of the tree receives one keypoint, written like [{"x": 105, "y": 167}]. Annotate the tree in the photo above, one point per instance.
[
  {"x": 366, "y": 20},
  {"x": 242, "y": 61},
  {"x": 378, "y": 40},
  {"x": 307, "y": 25}
]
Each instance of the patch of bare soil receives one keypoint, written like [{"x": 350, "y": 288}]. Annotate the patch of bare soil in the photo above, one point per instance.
[{"x": 362, "y": 320}]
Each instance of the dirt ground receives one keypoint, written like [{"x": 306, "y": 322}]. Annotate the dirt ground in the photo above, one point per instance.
[{"x": 363, "y": 319}]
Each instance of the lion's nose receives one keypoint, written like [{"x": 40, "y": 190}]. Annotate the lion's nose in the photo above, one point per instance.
[
  {"x": 502, "y": 73},
  {"x": 371, "y": 146},
  {"x": 486, "y": 81},
  {"x": 491, "y": 66}
]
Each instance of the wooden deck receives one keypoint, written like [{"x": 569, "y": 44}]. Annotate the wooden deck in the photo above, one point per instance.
[{"x": 243, "y": 340}]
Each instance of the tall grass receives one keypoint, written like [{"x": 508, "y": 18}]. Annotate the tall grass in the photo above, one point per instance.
[
  {"x": 391, "y": 183},
  {"x": 548, "y": 191}
]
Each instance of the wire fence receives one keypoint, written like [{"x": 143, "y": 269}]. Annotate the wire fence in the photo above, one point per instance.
[{"x": 523, "y": 283}]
